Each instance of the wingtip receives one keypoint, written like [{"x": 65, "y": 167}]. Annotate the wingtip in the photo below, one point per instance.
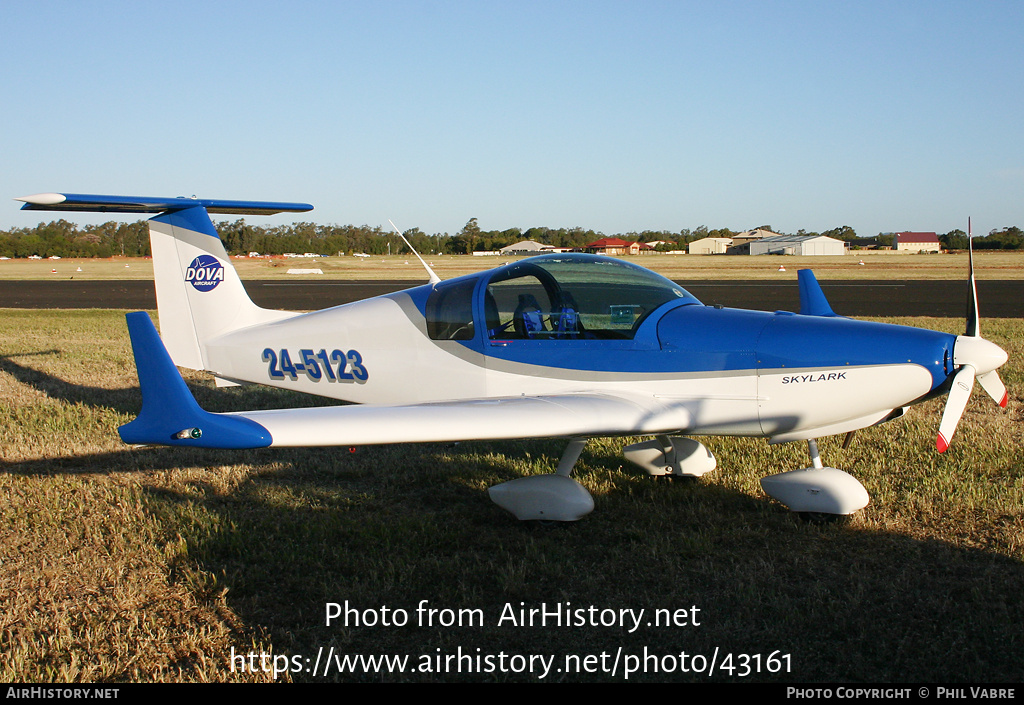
[{"x": 43, "y": 199}]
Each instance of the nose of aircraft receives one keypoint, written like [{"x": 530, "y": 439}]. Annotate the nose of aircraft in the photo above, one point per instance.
[
  {"x": 978, "y": 359},
  {"x": 983, "y": 355}
]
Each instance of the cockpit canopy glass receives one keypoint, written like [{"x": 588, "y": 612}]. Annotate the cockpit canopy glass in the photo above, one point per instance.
[
  {"x": 554, "y": 297},
  {"x": 573, "y": 296}
]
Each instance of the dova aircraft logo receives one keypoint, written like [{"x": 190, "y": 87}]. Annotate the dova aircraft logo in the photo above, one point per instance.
[{"x": 205, "y": 273}]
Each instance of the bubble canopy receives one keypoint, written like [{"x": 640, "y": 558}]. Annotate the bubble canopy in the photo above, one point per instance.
[
  {"x": 554, "y": 297},
  {"x": 593, "y": 270}
]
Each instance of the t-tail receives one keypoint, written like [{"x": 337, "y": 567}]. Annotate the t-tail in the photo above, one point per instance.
[{"x": 199, "y": 295}]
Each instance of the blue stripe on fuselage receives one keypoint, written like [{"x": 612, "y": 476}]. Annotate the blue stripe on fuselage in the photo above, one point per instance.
[
  {"x": 684, "y": 338},
  {"x": 694, "y": 338}
]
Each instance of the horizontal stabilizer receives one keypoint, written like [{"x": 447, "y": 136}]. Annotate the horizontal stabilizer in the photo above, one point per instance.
[{"x": 141, "y": 204}]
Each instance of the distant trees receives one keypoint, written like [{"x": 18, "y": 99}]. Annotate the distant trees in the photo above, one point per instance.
[
  {"x": 954, "y": 240},
  {"x": 465, "y": 241},
  {"x": 65, "y": 239},
  {"x": 843, "y": 232},
  {"x": 1011, "y": 238}
]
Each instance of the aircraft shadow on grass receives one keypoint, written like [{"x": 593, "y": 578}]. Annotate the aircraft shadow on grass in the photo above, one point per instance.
[
  {"x": 124, "y": 401},
  {"x": 128, "y": 400}
]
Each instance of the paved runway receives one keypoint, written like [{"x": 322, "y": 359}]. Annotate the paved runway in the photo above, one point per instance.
[{"x": 942, "y": 298}]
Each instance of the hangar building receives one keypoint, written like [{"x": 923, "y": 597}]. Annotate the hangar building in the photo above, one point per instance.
[
  {"x": 527, "y": 247},
  {"x": 710, "y": 246},
  {"x": 798, "y": 245}
]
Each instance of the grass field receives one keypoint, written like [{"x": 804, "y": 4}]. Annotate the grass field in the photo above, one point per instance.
[
  {"x": 121, "y": 564},
  {"x": 883, "y": 266}
]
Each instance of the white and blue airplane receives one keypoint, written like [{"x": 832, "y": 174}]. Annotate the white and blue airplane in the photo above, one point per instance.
[{"x": 556, "y": 346}]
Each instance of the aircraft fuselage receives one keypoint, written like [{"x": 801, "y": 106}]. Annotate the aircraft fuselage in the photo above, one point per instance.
[{"x": 737, "y": 372}]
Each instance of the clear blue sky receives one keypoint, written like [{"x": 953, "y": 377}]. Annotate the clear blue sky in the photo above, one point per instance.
[{"x": 616, "y": 116}]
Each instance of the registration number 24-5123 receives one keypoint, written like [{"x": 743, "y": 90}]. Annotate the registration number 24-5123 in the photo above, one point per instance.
[{"x": 336, "y": 366}]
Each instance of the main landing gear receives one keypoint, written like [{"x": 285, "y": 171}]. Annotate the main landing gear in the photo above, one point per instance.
[
  {"x": 546, "y": 498},
  {"x": 817, "y": 493},
  {"x": 558, "y": 497}
]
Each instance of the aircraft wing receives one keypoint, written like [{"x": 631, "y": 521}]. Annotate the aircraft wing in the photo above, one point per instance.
[
  {"x": 171, "y": 416},
  {"x": 566, "y": 415}
]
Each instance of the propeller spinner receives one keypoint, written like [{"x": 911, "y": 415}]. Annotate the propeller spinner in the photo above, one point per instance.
[{"x": 977, "y": 358}]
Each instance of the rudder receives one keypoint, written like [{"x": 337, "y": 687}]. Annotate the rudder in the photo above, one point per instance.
[{"x": 198, "y": 292}]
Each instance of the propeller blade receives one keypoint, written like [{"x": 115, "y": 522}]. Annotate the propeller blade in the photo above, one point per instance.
[
  {"x": 991, "y": 383},
  {"x": 959, "y": 394},
  {"x": 972, "y": 353},
  {"x": 973, "y": 326}
]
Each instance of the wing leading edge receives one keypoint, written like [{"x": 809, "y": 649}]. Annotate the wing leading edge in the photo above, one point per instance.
[{"x": 171, "y": 416}]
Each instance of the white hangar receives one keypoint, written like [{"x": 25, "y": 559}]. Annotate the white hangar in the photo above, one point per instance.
[{"x": 798, "y": 245}]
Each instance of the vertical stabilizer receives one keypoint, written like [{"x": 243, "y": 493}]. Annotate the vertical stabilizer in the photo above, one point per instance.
[
  {"x": 812, "y": 298},
  {"x": 198, "y": 292}
]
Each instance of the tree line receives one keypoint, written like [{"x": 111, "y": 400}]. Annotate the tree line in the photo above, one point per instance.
[{"x": 64, "y": 239}]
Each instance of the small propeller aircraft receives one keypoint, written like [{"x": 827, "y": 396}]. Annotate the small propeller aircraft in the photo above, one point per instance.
[{"x": 555, "y": 346}]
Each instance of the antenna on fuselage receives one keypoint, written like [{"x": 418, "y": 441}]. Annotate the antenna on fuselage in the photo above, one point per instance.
[{"x": 434, "y": 279}]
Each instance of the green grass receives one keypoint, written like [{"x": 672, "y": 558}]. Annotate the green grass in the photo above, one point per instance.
[{"x": 152, "y": 564}]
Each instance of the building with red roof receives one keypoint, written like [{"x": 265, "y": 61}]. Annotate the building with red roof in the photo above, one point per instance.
[
  {"x": 617, "y": 246},
  {"x": 916, "y": 242}
]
